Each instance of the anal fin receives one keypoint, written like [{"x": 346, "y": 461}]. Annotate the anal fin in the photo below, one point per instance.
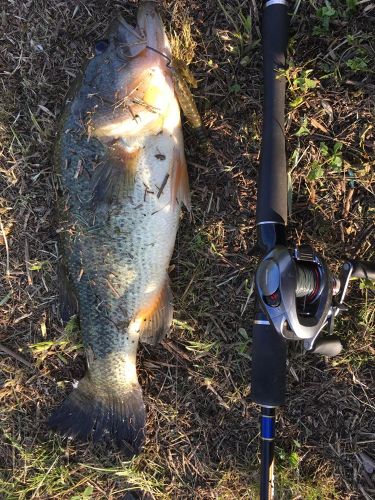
[{"x": 156, "y": 318}]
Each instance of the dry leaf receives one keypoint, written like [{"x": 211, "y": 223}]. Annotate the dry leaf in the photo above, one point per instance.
[{"x": 318, "y": 125}]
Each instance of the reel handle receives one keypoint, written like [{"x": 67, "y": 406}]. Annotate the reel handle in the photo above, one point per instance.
[{"x": 327, "y": 346}]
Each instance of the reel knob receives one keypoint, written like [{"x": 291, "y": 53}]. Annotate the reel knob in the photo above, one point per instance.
[
  {"x": 269, "y": 282},
  {"x": 327, "y": 346}
]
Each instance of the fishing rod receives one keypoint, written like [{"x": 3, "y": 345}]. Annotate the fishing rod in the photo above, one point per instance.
[{"x": 296, "y": 294}]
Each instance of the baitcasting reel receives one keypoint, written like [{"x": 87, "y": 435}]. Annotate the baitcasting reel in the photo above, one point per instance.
[{"x": 300, "y": 297}]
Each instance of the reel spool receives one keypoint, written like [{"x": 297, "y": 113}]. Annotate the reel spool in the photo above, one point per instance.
[{"x": 296, "y": 290}]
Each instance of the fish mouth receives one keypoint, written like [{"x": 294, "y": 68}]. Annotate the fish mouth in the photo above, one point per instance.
[
  {"x": 149, "y": 31},
  {"x": 147, "y": 8},
  {"x": 152, "y": 4},
  {"x": 150, "y": 24}
]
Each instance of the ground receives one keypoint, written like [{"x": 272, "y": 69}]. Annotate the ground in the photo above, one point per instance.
[{"x": 202, "y": 439}]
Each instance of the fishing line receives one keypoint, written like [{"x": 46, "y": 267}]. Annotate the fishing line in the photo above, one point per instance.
[
  {"x": 169, "y": 60},
  {"x": 169, "y": 63}
]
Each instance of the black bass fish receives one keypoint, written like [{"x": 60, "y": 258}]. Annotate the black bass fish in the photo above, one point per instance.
[{"x": 122, "y": 178}]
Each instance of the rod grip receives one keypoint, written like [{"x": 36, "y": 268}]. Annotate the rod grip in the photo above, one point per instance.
[
  {"x": 268, "y": 370},
  {"x": 363, "y": 269},
  {"x": 272, "y": 178}
]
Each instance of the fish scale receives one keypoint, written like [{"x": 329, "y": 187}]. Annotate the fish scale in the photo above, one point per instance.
[{"x": 123, "y": 177}]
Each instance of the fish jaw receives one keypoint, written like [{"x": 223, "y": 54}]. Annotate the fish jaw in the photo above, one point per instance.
[
  {"x": 150, "y": 25},
  {"x": 149, "y": 33}
]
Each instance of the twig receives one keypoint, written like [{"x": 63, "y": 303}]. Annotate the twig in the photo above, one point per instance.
[
  {"x": 7, "y": 272},
  {"x": 162, "y": 185},
  {"x": 16, "y": 356},
  {"x": 348, "y": 203},
  {"x": 27, "y": 262}
]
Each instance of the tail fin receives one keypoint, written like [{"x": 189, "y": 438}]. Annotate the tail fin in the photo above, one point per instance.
[{"x": 119, "y": 418}]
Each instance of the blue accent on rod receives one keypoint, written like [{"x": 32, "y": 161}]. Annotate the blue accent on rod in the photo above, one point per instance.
[{"x": 267, "y": 430}]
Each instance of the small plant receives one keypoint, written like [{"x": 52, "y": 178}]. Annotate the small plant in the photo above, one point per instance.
[
  {"x": 85, "y": 495},
  {"x": 199, "y": 242},
  {"x": 316, "y": 171},
  {"x": 303, "y": 130},
  {"x": 299, "y": 84},
  {"x": 351, "y": 5},
  {"x": 325, "y": 15},
  {"x": 37, "y": 265},
  {"x": 358, "y": 64},
  {"x": 245, "y": 28},
  {"x": 332, "y": 159},
  {"x": 302, "y": 82},
  {"x": 235, "y": 88},
  {"x": 366, "y": 284},
  {"x": 244, "y": 32},
  {"x": 242, "y": 346},
  {"x": 247, "y": 23},
  {"x": 201, "y": 348},
  {"x": 68, "y": 345}
]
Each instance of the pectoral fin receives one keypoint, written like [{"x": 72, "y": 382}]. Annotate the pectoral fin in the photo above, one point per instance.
[
  {"x": 114, "y": 177},
  {"x": 156, "y": 319},
  {"x": 180, "y": 191}
]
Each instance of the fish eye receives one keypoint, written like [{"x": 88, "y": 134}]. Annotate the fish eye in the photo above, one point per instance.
[{"x": 101, "y": 46}]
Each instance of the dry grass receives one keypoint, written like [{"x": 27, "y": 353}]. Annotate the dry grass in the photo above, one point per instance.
[{"x": 202, "y": 427}]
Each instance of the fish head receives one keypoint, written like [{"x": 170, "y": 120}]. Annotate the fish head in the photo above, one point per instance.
[{"x": 128, "y": 85}]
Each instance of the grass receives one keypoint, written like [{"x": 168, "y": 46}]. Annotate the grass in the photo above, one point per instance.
[{"x": 202, "y": 439}]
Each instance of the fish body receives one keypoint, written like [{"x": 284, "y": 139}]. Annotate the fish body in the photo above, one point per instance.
[{"x": 122, "y": 177}]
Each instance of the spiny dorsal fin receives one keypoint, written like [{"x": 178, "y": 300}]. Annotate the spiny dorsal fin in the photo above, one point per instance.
[
  {"x": 180, "y": 190},
  {"x": 156, "y": 318},
  {"x": 114, "y": 177}
]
